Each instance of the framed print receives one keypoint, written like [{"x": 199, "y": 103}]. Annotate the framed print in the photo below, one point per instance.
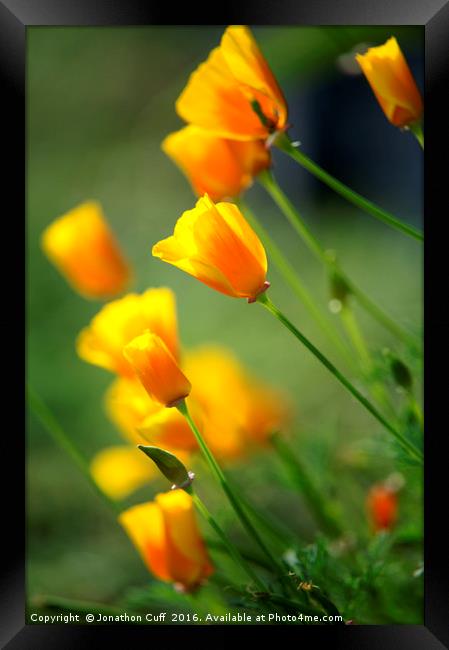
[{"x": 233, "y": 324}]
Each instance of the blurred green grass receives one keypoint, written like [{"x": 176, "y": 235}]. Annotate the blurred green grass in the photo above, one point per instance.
[{"x": 100, "y": 102}]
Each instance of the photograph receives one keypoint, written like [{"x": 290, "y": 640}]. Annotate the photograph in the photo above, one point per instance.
[{"x": 224, "y": 268}]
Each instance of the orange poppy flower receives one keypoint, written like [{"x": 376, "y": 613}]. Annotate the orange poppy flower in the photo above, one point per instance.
[
  {"x": 215, "y": 244},
  {"x": 157, "y": 369},
  {"x": 220, "y": 167},
  {"x": 166, "y": 534},
  {"x": 228, "y": 395},
  {"x": 234, "y": 93},
  {"x": 392, "y": 82},
  {"x": 81, "y": 245}
]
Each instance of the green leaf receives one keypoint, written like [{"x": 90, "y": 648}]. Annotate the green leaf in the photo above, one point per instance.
[{"x": 170, "y": 466}]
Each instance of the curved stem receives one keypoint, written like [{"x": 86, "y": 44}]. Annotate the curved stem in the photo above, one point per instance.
[
  {"x": 270, "y": 184},
  {"x": 416, "y": 408},
  {"x": 52, "y": 426},
  {"x": 292, "y": 278},
  {"x": 378, "y": 314},
  {"x": 278, "y": 532},
  {"x": 284, "y": 144},
  {"x": 408, "y": 446},
  {"x": 352, "y": 328},
  {"x": 306, "y": 486},
  {"x": 355, "y": 334},
  {"x": 233, "y": 551},
  {"x": 232, "y": 497}
]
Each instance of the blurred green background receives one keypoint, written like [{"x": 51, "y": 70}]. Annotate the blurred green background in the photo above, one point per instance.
[{"x": 100, "y": 100}]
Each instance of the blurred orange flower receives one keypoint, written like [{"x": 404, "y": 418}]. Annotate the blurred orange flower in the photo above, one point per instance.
[
  {"x": 215, "y": 244},
  {"x": 233, "y": 410},
  {"x": 166, "y": 534},
  {"x": 143, "y": 420},
  {"x": 238, "y": 411},
  {"x": 81, "y": 245},
  {"x": 234, "y": 93},
  {"x": 157, "y": 369},
  {"x": 223, "y": 168},
  {"x": 382, "y": 507},
  {"x": 392, "y": 82},
  {"x": 120, "y": 321}
]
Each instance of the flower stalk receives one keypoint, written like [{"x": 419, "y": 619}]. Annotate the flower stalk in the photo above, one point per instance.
[
  {"x": 232, "y": 497},
  {"x": 232, "y": 549},
  {"x": 284, "y": 144},
  {"x": 270, "y": 184},
  {"x": 405, "y": 444},
  {"x": 293, "y": 279},
  {"x": 52, "y": 426}
]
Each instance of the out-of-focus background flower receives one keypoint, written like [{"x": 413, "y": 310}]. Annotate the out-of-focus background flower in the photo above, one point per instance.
[{"x": 100, "y": 101}]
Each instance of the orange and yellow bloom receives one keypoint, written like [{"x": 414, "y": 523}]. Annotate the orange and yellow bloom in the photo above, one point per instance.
[
  {"x": 390, "y": 78},
  {"x": 120, "y": 321},
  {"x": 142, "y": 420},
  {"x": 157, "y": 369},
  {"x": 215, "y": 244},
  {"x": 234, "y": 93},
  {"x": 166, "y": 534},
  {"x": 234, "y": 410},
  {"x": 81, "y": 245},
  {"x": 120, "y": 470},
  {"x": 237, "y": 410},
  {"x": 220, "y": 167}
]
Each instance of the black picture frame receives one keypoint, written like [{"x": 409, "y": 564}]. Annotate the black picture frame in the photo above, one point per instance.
[{"x": 433, "y": 15}]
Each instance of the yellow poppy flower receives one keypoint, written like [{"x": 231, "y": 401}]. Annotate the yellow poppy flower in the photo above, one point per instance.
[
  {"x": 166, "y": 534},
  {"x": 393, "y": 84},
  {"x": 215, "y": 244},
  {"x": 118, "y": 322},
  {"x": 122, "y": 469},
  {"x": 234, "y": 93},
  {"x": 82, "y": 247}
]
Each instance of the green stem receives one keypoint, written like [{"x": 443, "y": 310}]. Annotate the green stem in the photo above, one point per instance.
[
  {"x": 303, "y": 481},
  {"x": 273, "y": 526},
  {"x": 52, "y": 426},
  {"x": 292, "y": 278},
  {"x": 352, "y": 328},
  {"x": 417, "y": 131},
  {"x": 233, "y": 499},
  {"x": 270, "y": 184},
  {"x": 378, "y": 314},
  {"x": 355, "y": 334},
  {"x": 408, "y": 446},
  {"x": 284, "y": 144},
  {"x": 233, "y": 551},
  {"x": 219, "y": 547},
  {"x": 416, "y": 408}
]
